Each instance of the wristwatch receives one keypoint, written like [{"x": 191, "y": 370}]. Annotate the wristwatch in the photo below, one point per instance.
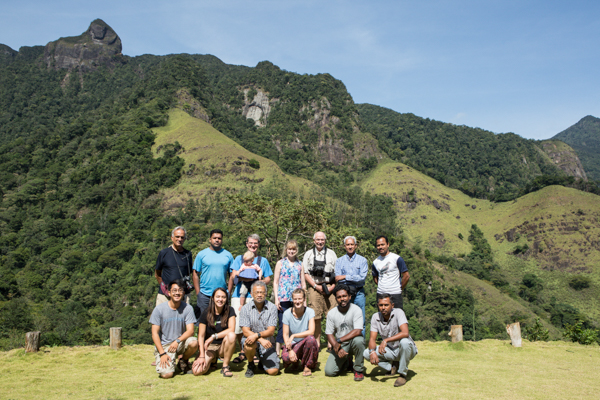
[
  {"x": 178, "y": 341},
  {"x": 259, "y": 335}
]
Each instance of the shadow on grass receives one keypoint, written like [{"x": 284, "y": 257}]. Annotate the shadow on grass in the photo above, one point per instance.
[{"x": 378, "y": 375}]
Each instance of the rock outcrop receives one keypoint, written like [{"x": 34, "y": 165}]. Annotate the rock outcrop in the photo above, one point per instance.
[
  {"x": 99, "y": 45},
  {"x": 564, "y": 157},
  {"x": 257, "y": 109}
]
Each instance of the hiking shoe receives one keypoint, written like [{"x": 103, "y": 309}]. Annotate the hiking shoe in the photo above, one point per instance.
[
  {"x": 358, "y": 376},
  {"x": 250, "y": 370},
  {"x": 400, "y": 381},
  {"x": 394, "y": 370}
]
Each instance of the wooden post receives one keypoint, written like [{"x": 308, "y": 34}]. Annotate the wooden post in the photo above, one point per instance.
[
  {"x": 514, "y": 330},
  {"x": 32, "y": 342},
  {"x": 115, "y": 338},
  {"x": 456, "y": 333}
]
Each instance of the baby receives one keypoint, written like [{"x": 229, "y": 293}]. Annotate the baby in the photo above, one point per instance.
[{"x": 250, "y": 271}]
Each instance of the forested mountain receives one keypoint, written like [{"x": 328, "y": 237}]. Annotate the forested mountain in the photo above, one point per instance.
[
  {"x": 102, "y": 154},
  {"x": 584, "y": 137}
]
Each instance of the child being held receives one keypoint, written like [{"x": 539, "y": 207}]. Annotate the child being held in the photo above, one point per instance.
[{"x": 249, "y": 271}]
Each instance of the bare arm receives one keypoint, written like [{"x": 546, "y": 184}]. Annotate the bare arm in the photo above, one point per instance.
[
  {"x": 276, "y": 283},
  {"x": 232, "y": 276},
  {"x": 196, "y": 279},
  {"x": 158, "y": 275},
  {"x": 405, "y": 279}
]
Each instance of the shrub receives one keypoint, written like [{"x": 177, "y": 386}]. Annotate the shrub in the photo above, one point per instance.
[
  {"x": 576, "y": 333},
  {"x": 580, "y": 282},
  {"x": 537, "y": 332},
  {"x": 253, "y": 163}
]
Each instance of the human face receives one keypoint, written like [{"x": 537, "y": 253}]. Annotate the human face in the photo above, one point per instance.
[
  {"x": 215, "y": 241},
  {"x": 385, "y": 307},
  {"x": 220, "y": 298},
  {"x": 343, "y": 298},
  {"x": 176, "y": 293},
  {"x": 291, "y": 252},
  {"x": 252, "y": 245},
  {"x": 350, "y": 246},
  {"x": 383, "y": 246},
  {"x": 298, "y": 300},
  {"x": 178, "y": 238},
  {"x": 319, "y": 240},
  {"x": 259, "y": 294}
]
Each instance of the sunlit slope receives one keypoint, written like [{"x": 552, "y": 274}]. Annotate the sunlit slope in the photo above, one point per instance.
[
  {"x": 559, "y": 225},
  {"x": 213, "y": 162}
]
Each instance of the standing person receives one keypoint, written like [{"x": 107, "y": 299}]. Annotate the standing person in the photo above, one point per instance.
[
  {"x": 319, "y": 273},
  {"x": 344, "y": 333},
  {"x": 389, "y": 272},
  {"x": 172, "y": 263},
  {"x": 397, "y": 347},
  {"x": 301, "y": 347},
  {"x": 216, "y": 338},
  {"x": 258, "y": 320},
  {"x": 172, "y": 332},
  {"x": 211, "y": 267},
  {"x": 351, "y": 269},
  {"x": 288, "y": 277},
  {"x": 253, "y": 245}
]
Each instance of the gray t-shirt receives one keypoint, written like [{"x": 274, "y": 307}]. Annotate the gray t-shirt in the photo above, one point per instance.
[
  {"x": 342, "y": 324},
  {"x": 391, "y": 327},
  {"x": 298, "y": 325},
  {"x": 172, "y": 322}
]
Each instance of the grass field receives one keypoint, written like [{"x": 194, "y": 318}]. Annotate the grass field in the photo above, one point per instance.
[{"x": 441, "y": 370}]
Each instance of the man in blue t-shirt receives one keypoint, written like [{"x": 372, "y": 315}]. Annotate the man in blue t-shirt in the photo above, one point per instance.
[
  {"x": 211, "y": 268},
  {"x": 252, "y": 244}
]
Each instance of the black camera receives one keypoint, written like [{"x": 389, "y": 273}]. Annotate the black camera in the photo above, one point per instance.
[{"x": 188, "y": 285}]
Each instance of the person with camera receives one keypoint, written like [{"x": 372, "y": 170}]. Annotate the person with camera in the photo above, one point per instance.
[
  {"x": 211, "y": 269},
  {"x": 351, "y": 269},
  {"x": 319, "y": 272},
  {"x": 172, "y": 263}
]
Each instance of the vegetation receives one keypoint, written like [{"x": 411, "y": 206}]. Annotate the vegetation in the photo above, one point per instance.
[{"x": 584, "y": 137}]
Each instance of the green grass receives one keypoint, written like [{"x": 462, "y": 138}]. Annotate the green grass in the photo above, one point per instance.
[{"x": 486, "y": 369}]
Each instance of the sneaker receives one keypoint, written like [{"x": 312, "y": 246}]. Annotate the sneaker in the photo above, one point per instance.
[
  {"x": 250, "y": 370},
  {"x": 400, "y": 381},
  {"x": 358, "y": 376}
]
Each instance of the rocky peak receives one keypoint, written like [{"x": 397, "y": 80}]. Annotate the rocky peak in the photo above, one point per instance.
[
  {"x": 564, "y": 157},
  {"x": 99, "y": 45}
]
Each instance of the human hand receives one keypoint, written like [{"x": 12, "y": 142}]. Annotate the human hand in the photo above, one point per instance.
[
  {"x": 265, "y": 343},
  {"x": 288, "y": 343},
  {"x": 165, "y": 361},
  {"x": 319, "y": 288},
  {"x": 382, "y": 346},
  {"x": 293, "y": 356},
  {"x": 173, "y": 347},
  {"x": 373, "y": 358},
  {"x": 278, "y": 304},
  {"x": 208, "y": 341},
  {"x": 199, "y": 365},
  {"x": 342, "y": 353}
]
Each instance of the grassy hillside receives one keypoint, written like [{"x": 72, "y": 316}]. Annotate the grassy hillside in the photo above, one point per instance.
[
  {"x": 485, "y": 369},
  {"x": 215, "y": 163},
  {"x": 559, "y": 226}
]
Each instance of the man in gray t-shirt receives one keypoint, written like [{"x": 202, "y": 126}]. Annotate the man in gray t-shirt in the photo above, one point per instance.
[
  {"x": 397, "y": 347},
  {"x": 344, "y": 333},
  {"x": 173, "y": 331}
]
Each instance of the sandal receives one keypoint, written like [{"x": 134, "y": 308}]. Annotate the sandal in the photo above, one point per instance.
[
  {"x": 226, "y": 372},
  {"x": 239, "y": 359}
]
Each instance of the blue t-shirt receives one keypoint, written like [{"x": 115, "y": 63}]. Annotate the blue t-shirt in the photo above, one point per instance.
[
  {"x": 237, "y": 264},
  {"x": 298, "y": 325},
  {"x": 212, "y": 266}
]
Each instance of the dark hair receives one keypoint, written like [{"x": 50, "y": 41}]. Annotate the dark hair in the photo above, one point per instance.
[
  {"x": 178, "y": 282},
  {"x": 299, "y": 291},
  {"x": 341, "y": 286},
  {"x": 382, "y": 237},
  {"x": 215, "y": 231},
  {"x": 211, "y": 313},
  {"x": 381, "y": 296}
]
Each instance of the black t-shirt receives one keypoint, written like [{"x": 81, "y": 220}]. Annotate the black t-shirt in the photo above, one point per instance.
[
  {"x": 174, "y": 265},
  {"x": 217, "y": 328}
]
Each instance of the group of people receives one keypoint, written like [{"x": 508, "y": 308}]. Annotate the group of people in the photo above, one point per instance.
[{"x": 233, "y": 308}]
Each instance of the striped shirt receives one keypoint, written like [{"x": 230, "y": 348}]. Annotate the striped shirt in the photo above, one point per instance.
[
  {"x": 258, "y": 321},
  {"x": 355, "y": 269}
]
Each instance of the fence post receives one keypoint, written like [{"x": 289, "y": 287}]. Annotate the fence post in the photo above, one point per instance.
[
  {"x": 32, "y": 342},
  {"x": 456, "y": 333},
  {"x": 514, "y": 330},
  {"x": 115, "y": 338}
]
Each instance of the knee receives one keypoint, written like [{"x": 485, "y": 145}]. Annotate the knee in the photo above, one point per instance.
[
  {"x": 249, "y": 347},
  {"x": 167, "y": 375},
  {"x": 230, "y": 338},
  {"x": 193, "y": 344},
  {"x": 273, "y": 371},
  {"x": 330, "y": 373}
]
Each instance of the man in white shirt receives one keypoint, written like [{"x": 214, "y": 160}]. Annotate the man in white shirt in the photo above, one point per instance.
[
  {"x": 389, "y": 272},
  {"x": 319, "y": 271}
]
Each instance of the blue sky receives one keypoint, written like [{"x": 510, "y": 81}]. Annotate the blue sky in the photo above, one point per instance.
[{"x": 528, "y": 67}]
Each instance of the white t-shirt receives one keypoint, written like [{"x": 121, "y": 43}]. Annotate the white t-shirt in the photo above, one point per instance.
[{"x": 388, "y": 270}]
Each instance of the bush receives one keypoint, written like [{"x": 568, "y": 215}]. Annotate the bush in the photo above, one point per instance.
[
  {"x": 580, "y": 282},
  {"x": 253, "y": 163},
  {"x": 537, "y": 332},
  {"x": 576, "y": 333}
]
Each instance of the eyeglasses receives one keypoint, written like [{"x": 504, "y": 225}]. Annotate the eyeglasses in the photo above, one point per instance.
[{"x": 177, "y": 291}]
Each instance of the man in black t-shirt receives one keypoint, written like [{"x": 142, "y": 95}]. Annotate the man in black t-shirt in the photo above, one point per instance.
[{"x": 172, "y": 263}]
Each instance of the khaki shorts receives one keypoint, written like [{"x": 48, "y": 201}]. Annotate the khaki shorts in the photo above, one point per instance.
[
  {"x": 161, "y": 298},
  {"x": 235, "y": 303},
  {"x": 183, "y": 346},
  {"x": 320, "y": 303},
  {"x": 215, "y": 348}
]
